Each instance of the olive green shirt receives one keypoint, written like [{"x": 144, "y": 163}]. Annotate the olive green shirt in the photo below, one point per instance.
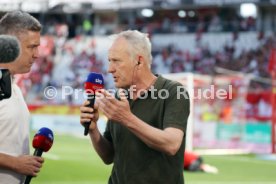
[{"x": 134, "y": 161}]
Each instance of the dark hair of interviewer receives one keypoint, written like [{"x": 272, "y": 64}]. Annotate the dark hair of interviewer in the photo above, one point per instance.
[{"x": 16, "y": 22}]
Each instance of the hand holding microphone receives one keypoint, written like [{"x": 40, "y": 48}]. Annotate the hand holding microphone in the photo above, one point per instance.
[
  {"x": 93, "y": 83},
  {"x": 42, "y": 142}
]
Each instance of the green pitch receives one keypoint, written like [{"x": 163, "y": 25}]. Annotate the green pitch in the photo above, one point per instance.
[{"x": 72, "y": 160}]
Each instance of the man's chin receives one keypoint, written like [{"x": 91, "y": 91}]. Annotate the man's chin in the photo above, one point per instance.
[
  {"x": 122, "y": 86},
  {"x": 23, "y": 71},
  {"x": 117, "y": 85}
]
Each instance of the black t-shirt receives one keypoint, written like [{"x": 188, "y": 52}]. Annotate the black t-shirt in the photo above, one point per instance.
[{"x": 135, "y": 162}]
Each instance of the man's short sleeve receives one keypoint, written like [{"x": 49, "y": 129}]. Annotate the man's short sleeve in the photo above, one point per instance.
[
  {"x": 177, "y": 107},
  {"x": 107, "y": 133}
]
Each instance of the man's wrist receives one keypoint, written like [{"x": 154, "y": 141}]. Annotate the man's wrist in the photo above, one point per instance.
[
  {"x": 12, "y": 163},
  {"x": 130, "y": 120},
  {"x": 94, "y": 130}
]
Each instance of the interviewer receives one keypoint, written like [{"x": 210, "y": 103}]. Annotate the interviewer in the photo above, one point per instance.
[{"x": 15, "y": 161}]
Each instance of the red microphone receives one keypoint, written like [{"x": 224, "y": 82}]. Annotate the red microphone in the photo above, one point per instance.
[
  {"x": 42, "y": 142},
  {"x": 93, "y": 83}
]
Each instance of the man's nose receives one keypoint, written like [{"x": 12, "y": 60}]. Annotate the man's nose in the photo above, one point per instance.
[
  {"x": 111, "y": 68},
  {"x": 36, "y": 53}
]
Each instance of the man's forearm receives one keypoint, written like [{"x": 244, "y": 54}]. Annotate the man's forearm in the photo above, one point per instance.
[
  {"x": 7, "y": 161},
  {"x": 102, "y": 146},
  {"x": 167, "y": 141}
]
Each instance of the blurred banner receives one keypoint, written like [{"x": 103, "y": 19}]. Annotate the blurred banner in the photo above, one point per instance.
[
  {"x": 272, "y": 70},
  {"x": 60, "y": 118}
]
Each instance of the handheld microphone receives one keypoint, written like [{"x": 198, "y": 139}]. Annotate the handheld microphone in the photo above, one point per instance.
[
  {"x": 42, "y": 142},
  {"x": 9, "y": 51},
  {"x": 93, "y": 83}
]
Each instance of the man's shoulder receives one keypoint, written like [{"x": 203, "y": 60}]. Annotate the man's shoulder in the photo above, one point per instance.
[
  {"x": 170, "y": 84},
  {"x": 174, "y": 88}
]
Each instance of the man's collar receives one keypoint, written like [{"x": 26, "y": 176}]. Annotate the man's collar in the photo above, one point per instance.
[{"x": 159, "y": 83}]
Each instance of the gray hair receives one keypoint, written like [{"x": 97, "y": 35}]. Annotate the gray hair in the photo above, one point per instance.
[
  {"x": 16, "y": 22},
  {"x": 139, "y": 43}
]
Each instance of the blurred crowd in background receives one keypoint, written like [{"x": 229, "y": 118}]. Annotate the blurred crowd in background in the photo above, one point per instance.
[
  {"x": 70, "y": 51},
  {"x": 161, "y": 22}
]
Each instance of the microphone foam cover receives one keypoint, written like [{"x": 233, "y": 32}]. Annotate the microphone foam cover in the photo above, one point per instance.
[
  {"x": 43, "y": 139},
  {"x": 94, "y": 82}
]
